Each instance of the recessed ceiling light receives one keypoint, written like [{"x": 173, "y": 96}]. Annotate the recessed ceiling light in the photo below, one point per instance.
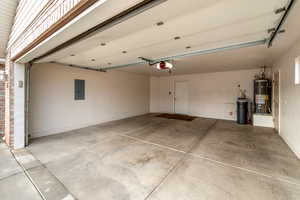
[
  {"x": 188, "y": 47},
  {"x": 124, "y": 51},
  {"x": 177, "y": 38},
  {"x": 103, "y": 44},
  {"x": 160, "y": 23}
]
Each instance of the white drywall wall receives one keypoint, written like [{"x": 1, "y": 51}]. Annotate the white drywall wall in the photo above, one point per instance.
[
  {"x": 19, "y": 105},
  {"x": 211, "y": 95},
  {"x": 289, "y": 99},
  {"x": 154, "y": 94},
  {"x": 109, "y": 96}
]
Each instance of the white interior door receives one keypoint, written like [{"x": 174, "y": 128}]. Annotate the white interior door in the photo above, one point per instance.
[{"x": 181, "y": 98}]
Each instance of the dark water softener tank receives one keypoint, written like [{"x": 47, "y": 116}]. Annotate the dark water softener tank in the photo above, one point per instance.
[{"x": 242, "y": 111}]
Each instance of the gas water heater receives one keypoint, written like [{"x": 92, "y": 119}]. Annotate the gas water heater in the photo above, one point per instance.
[{"x": 262, "y": 94}]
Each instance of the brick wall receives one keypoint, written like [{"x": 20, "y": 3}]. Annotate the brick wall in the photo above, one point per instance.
[
  {"x": 9, "y": 103},
  {"x": 2, "y": 103}
]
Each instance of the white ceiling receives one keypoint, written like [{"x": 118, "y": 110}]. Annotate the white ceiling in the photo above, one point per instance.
[
  {"x": 201, "y": 24},
  {"x": 7, "y": 14},
  {"x": 238, "y": 59}
]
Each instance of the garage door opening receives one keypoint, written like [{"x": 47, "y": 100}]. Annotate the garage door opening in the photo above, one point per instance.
[{"x": 132, "y": 99}]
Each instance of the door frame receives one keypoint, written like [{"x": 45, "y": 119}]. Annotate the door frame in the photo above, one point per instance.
[
  {"x": 174, "y": 95},
  {"x": 273, "y": 99}
]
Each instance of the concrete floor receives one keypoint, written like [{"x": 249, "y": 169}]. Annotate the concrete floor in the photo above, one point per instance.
[
  {"x": 14, "y": 184},
  {"x": 161, "y": 159}
]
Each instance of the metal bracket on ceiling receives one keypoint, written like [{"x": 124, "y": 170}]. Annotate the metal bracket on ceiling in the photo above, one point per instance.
[
  {"x": 277, "y": 30},
  {"x": 149, "y": 61},
  {"x": 271, "y": 30},
  {"x": 280, "y": 10}
]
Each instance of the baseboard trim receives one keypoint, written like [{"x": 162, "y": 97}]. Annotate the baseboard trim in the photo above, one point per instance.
[
  {"x": 199, "y": 115},
  {"x": 54, "y": 131},
  {"x": 212, "y": 117}
]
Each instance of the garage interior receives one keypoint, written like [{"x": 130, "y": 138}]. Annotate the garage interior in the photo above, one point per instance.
[{"x": 166, "y": 101}]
